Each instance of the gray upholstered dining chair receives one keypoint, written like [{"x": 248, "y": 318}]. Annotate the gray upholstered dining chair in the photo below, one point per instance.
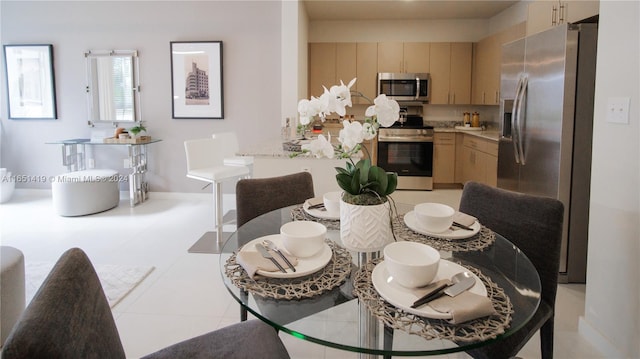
[
  {"x": 256, "y": 196},
  {"x": 533, "y": 224},
  {"x": 69, "y": 317}
]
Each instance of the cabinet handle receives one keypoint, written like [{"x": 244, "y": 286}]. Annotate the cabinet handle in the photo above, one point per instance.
[
  {"x": 561, "y": 13},
  {"x": 554, "y": 15},
  {"x": 483, "y": 97},
  {"x": 453, "y": 101},
  {"x": 497, "y": 97}
]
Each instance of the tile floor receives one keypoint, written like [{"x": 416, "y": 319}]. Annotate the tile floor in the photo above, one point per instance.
[{"x": 184, "y": 296}]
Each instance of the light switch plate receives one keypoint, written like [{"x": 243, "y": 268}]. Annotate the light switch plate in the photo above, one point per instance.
[{"x": 618, "y": 110}]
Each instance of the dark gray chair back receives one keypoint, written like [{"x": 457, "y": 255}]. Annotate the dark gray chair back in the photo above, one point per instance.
[
  {"x": 533, "y": 224},
  {"x": 256, "y": 196},
  {"x": 69, "y": 316}
]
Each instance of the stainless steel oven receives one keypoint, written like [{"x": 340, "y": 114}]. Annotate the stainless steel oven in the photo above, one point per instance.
[{"x": 409, "y": 152}]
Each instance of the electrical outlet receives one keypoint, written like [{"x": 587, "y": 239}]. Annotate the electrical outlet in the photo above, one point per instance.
[
  {"x": 91, "y": 163},
  {"x": 618, "y": 110}
]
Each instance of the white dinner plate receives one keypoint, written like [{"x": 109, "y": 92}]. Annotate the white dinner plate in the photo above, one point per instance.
[
  {"x": 304, "y": 267},
  {"x": 403, "y": 297},
  {"x": 319, "y": 213},
  {"x": 412, "y": 222}
]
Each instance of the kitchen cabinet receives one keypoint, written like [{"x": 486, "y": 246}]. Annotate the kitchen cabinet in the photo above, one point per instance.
[
  {"x": 412, "y": 57},
  {"x": 479, "y": 160},
  {"x": 366, "y": 71},
  {"x": 346, "y": 56},
  {"x": 450, "y": 70},
  {"x": 487, "y": 58},
  {"x": 543, "y": 15},
  {"x": 322, "y": 67},
  {"x": 444, "y": 157}
]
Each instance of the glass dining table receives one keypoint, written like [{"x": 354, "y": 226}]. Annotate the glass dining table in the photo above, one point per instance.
[{"x": 339, "y": 307}]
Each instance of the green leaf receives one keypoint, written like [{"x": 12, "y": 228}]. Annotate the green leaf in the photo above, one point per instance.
[
  {"x": 392, "y": 183},
  {"x": 344, "y": 181},
  {"x": 341, "y": 170},
  {"x": 355, "y": 182},
  {"x": 378, "y": 179}
]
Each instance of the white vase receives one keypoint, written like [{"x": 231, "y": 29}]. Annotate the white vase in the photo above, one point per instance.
[{"x": 365, "y": 228}]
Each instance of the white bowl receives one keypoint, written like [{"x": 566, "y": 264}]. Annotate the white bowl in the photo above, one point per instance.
[
  {"x": 411, "y": 264},
  {"x": 332, "y": 201},
  {"x": 434, "y": 217},
  {"x": 303, "y": 238}
]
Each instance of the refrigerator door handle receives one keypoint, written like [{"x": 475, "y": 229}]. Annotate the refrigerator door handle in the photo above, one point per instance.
[
  {"x": 522, "y": 118},
  {"x": 514, "y": 121}
]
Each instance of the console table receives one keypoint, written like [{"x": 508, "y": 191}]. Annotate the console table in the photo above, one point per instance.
[{"x": 73, "y": 157}]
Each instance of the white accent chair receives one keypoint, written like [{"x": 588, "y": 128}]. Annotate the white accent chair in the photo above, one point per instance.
[{"x": 206, "y": 162}]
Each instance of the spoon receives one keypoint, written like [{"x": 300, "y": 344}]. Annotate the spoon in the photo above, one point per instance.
[
  {"x": 459, "y": 283},
  {"x": 270, "y": 245}
]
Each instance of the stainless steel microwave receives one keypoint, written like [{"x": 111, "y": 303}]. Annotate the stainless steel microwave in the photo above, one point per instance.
[{"x": 405, "y": 86}]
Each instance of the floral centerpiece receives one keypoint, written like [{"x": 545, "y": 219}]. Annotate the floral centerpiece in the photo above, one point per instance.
[{"x": 366, "y": 187}]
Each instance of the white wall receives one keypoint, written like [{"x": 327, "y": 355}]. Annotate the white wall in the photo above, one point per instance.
[
  {"x": 251, "y": 35},
  {"x": 612, "y": 305}
]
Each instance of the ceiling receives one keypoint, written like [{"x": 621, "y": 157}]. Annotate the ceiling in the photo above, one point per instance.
[{"x": 404, "y": 9}]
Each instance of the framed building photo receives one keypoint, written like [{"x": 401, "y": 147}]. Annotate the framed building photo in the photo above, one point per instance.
[
  {"x": 196, "y": 80},
  {"x": 30, "y": 82}
]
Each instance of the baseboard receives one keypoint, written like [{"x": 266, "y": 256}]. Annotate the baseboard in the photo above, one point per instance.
[{"x": 599, "y": 341}]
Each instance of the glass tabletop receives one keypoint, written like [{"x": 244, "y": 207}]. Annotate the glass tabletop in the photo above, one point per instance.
[
  {"x": 338, "y": 319},
  {"x": 88, "y": 141}
]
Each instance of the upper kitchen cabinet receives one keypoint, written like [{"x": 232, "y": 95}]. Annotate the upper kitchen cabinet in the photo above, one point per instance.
[
  {"x": 543, "y": 15},
  {"x": 450, "y": 69},
  {"x": 487, "y": 55},
  {"x": 346, "y": 56},
  {"x": 366, "y": 71},
  {"x": 403, "y": 57},
  {"x": 322, "y": 67}
]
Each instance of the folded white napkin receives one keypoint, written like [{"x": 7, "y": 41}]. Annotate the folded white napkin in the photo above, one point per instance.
[
  {"x": 464, "y": 219},
  {"x": 253, "y": 261},
  {"x": 463, "y": 307}
]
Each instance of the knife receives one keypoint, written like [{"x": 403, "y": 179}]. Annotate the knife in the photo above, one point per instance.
[
  {"x": 451, "y": 291},
  {"x": 265, "y": 253}
]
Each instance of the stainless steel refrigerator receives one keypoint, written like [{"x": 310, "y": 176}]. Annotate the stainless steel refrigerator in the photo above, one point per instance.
[{"x": 547, "y": 90}]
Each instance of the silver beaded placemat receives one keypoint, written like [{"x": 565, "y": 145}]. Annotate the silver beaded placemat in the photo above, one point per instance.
[
  {"x": 324, "y": 280},
  {"x": 474, "y": 330}
]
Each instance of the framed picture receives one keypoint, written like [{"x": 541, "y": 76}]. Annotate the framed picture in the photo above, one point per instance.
[
  {"x": 196, "y": 80},
  {"x": 30, "y": 82}
]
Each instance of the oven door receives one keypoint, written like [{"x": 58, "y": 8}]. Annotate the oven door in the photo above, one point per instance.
[{"x": 406, "y": 158}]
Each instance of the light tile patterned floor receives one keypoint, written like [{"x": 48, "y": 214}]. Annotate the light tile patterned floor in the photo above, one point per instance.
[{"x": 184, "y": 296}]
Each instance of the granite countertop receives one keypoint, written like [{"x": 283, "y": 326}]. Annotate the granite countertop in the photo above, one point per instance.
[{"x": 489, "y": 134}]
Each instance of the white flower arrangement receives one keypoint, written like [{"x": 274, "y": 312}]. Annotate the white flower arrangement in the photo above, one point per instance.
[{"x": 384, "y": 112}]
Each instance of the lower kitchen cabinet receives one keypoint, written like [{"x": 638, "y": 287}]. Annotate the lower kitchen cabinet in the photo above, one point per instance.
[
  {"x": 444, "y": 157},
  {"x": 479, "y": 160}
]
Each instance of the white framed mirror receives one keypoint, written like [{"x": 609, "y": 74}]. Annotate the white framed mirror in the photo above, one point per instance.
[{"x": 113, "y": 88}]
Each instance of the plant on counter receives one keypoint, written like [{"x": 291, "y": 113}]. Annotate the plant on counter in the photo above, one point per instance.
[
  {"x": 137, "y": 129},
  {"x": 363, "y": 183}
]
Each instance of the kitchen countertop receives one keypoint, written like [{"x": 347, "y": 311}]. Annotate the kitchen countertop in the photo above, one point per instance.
[
  {"x": 490, "y": 134},
  {"x": 273, "y": 147}
]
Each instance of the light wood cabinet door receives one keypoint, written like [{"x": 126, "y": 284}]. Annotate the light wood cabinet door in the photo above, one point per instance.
[
  {"x": 440, "y": 69},
  {"x": 346, "y": 56},
  {"x": 416, "y": 57},
  {"x": 444, "y": 158},
  {"x": 491, "y": 170},
  {"x": 390, "y": 56},
  {"x": 322, "y": 67},
  {"x": 460, "y": 78},
  {"x": 366, "y": 71},
  {"x": 543, "y": 15}
]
